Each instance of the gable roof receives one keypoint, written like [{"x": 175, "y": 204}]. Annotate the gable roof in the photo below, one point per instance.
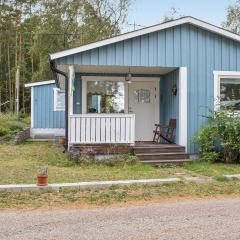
[
  {"x": 151, "y": 29},
  {"x": 34, "y": 84}
]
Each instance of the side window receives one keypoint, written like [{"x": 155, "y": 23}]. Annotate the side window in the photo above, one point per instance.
[
  {"x": 59, "y": 100},
  {"x": 230, "y": 93}
]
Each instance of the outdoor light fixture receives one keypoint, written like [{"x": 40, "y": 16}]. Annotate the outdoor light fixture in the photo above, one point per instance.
[
  {"x": 128, "y": 78},
  {"x": 174, "y": 89}
]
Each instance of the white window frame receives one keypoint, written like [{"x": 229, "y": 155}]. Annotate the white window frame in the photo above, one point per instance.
[
  {"x": 55, "y": 108},
  {"x": 218, "y": 75}
]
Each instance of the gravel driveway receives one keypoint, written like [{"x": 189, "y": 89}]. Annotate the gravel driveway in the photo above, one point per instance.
[{"x": 206, "y": 219}]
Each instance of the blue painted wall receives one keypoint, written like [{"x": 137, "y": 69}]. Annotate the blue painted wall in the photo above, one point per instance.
[
  {"x": 199, "y": 50},
  {"x": 44, "y": 116},
  {"x": 169, "y": 104}
]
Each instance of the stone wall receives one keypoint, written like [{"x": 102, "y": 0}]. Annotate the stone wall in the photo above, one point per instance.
[{"x": 22, "y": 136}]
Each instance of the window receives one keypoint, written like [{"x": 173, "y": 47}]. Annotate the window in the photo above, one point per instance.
[
  {"x": 105, "y": 97},
  {"x": 142, "y": 96},
  {"x": 59, "y": 100},
  {"x": 227, "y": 90},
  {"x": 230, "y": 93}
]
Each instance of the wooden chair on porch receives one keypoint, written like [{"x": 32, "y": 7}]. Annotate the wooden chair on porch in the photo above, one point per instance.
[{"x": 165, "y": 132}]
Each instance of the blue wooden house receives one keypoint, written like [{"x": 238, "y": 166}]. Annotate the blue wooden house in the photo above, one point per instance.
[{"x": 117, "y": 89}]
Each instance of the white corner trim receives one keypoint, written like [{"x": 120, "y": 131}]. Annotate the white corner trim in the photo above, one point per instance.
[
  {"x": 39, "y": 83},
  {"x": 32, "y": 107},
  {"x": 217, "y": 76},
  {"x": 55, "y": 92},
  {"x": 158, "y": 27},
  {"x": 183, "y": 107}
]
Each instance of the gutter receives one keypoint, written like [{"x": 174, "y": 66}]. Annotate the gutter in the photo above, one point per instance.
[{"x": 55, "y": 72}]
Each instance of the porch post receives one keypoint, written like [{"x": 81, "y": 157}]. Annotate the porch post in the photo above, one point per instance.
[{"x": 183, "y": 107}]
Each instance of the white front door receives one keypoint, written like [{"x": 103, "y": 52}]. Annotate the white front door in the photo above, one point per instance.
[{"x": 143, "y": 101}]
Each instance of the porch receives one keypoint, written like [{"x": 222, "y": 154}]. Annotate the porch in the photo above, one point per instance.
[{"x": 120, "y": 105}]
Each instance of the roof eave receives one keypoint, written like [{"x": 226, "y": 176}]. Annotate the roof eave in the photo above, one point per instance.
[
  {"x": 34, "y": 84},
  {"x": 140, "y": 32}
]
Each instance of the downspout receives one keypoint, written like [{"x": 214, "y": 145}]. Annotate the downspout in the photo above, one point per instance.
[{"x": 55, "y": 72}]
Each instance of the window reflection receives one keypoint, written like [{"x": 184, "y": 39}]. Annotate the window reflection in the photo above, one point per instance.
[
  {"x": 105, "y": 97},
  {"x": 230, "y": 93}
]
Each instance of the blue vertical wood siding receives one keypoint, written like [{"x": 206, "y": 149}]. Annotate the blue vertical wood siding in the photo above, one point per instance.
[
  {"x": 169, "y": 104},
  {"x": 44, "y": 115},
  {"x": 199, "y": 50}
]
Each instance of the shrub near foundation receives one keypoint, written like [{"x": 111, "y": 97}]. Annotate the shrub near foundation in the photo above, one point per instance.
[{"x": 224, "y": 128}]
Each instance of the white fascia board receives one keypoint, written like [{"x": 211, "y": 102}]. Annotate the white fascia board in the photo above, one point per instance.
[
  {"x": 144, "y": 31},
  {"x": 39, "y": 83}
]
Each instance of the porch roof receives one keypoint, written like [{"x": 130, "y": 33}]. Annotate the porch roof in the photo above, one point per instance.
[{"x": 93, "y": 70}]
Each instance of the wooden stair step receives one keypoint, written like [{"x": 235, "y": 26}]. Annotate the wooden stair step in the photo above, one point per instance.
[
  {"x": 166, "y": 161},
  {"x": 156, "y": 145},
  {"x": 159, "y": 156},
  {"x": 159, "y": 150}
]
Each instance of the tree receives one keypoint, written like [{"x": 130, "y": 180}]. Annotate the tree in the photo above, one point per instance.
[
  {"x": 31, "y": 29},
  {"x": 172, "y": 14},
  {"x": 232, "y": 22}
]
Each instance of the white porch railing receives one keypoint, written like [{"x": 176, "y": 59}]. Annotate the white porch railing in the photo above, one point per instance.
[{"x": 101, "y": 128}]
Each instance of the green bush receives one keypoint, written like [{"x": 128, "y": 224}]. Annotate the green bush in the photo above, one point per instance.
[
  {"x": 227, "y": 123},
  {"x": 11, "y": 124},
  {"x": 224, "y": 127},
  {"x": 205, "y": 140}
]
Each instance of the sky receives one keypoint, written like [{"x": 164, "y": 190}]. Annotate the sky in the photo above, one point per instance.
[{"x": 150, "y": 12}]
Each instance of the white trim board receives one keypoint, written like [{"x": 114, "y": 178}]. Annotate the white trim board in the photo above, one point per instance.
[
  {"x": 39, "y": 83},
  {"x": 155, "y": 28},
  {"x": 217, "y": 76},
  {"x": 32, "y": 107},
  {"x": 183, "y": 108}
]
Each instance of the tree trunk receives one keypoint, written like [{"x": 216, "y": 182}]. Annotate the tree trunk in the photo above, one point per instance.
[
  {"x": 9, "y": 78},
  {"x": 17, "y": 79}
]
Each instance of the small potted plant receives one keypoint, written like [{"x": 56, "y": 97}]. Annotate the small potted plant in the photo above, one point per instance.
[{"x": 42, "y": 176}]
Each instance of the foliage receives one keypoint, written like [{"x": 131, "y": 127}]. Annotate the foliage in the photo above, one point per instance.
[
  {"x": 224, "y": 127},
  {"x": 11, "y": 124},
  {"x": 205, "y": 140},
  {"x": 173, "y": 13},
  {"x": 233, "y": 17},
  {"x": 43, "y": 170},
  {"x": 227, "y": 123},
  {"x": 30, "y": 30},
  {"x": 87, "y": 157}
]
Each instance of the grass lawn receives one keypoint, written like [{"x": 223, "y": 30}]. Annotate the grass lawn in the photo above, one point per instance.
[
  {"x": 19, "y": 163},
  {"x": 117, "y": 195},
  {"x": 212, "y": 169}
]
